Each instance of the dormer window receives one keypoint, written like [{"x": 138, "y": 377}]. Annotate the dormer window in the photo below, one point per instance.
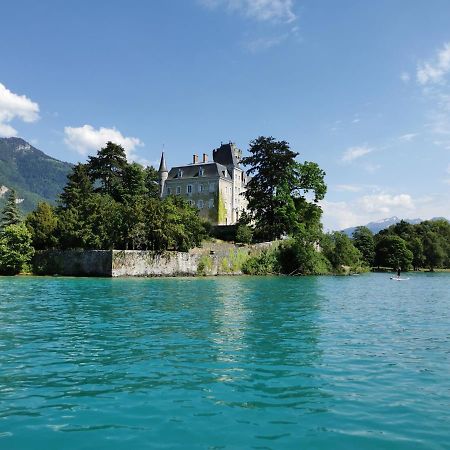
[
  {"x": 201, "y": 172},
  {"x": 180, "y": 173}
]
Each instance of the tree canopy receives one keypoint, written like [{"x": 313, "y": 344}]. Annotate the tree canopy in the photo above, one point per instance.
[
  {"x": 279, "y": 188},
  {"x": 109, "y": 203}
]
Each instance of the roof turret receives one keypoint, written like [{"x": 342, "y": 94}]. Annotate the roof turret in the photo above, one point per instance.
[{"x": 162, "y": 164}]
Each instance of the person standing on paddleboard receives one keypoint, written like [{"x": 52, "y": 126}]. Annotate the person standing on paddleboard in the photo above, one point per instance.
[{"x": 398, "y": 272}]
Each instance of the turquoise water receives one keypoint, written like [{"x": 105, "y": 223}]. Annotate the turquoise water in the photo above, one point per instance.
[{"x": 225, "y": 363}]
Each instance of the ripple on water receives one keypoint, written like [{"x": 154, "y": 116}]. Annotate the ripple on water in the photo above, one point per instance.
[{"x": 239, "y": 362}]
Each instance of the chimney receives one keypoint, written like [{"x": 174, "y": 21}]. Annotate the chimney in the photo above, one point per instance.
[
  {"x": 205, "y": 157},
  {"x": 194, "y": 158}
]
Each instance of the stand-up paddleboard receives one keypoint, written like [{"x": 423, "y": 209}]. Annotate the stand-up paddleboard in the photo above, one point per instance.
[{"x": 399, "y": 279}]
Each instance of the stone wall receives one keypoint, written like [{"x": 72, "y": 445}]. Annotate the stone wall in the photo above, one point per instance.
[
  {"x": 212, "y": 259},
  {"x": 73, "y": 262}
]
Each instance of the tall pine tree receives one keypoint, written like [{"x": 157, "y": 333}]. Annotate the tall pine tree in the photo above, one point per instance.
[{"x": 10, "y": 213}]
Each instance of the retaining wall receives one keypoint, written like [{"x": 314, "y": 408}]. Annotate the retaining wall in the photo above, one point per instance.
[{"x": 73, "y": 262}]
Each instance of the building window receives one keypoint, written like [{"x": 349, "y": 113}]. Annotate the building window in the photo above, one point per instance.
[
  {"x": 212, "y": 187},
  {"x": 178, "y": 190},
  {"x": 201, "y": 172},
  {"x": 200, "y": 188},
  {"x": 191, "y": 203},
  {"x": 189, "y": 189},
  {"x": 180, "y": 173},
  {"x": 169, "y": 191},
  {"x": 210, "y": 203},
  {"x": 200, "y": 204}
]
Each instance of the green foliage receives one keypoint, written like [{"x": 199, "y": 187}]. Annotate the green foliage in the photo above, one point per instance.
[
  {"x": 107, "y": 168},
  {"x": 428, "y": 242},
  {"x": 433, "y": 250},
  {"x": 392, "y": 251},
  {"x": 15, "y": 248},
  {"x": 279, "y": 187},
  {"x": 204, "y": 265},
  {"x": 10, "y": 213},
  {"x": 244, "y": 234},
  {"x": 300, "y": 256},
  {"x": 221, "y": 210},
  {"x": 340, "y": 251},
  {"x": 364, "y": 241},
  {"x": 35, "y": 176},
  {"x": 152, "y": 182},
  {"x": 42, "y": 223},
  {"x": 173, "y": 224},
  {"x": 266, "y": 263},
  {"x": 110, "y": 204},
  {"x": 78, "y": 188}
]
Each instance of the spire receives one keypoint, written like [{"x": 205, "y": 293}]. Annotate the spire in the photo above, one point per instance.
[{"x": 162, "y": 164}]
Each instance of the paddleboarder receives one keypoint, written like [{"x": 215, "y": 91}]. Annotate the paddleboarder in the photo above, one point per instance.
[{"x": 398, "y": 272}]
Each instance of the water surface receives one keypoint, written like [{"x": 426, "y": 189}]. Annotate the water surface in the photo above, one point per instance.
[{"x": 225, "y": 363}]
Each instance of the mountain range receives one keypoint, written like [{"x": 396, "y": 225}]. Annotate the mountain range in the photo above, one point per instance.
[
  {"x": 376, "y": 227},
  {"x": 34, "y": 175}
]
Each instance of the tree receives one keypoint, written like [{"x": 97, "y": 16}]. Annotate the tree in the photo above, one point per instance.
[
  {"x": 15, "y": 248},
  {"x": 152, "y": 182},
  {"x": 134, "y": 181},
  {"x": 363, "y": 240},
  {"x": 300, "y": 256},
  {"x": 10, "y": 213},
  {"x": 433, "y": 250},
  {"x": 416, "y": 247},
  {"x": 391, "y": 251},
  {"x": 78, "y": 188},
  {"x": 42, "y": 223},
  {"x": 107, "y": 168},
  {"x": 278, "y": 187},
  {"x": 244, "y": 234},
  {"x": 172, "y": 224},
  {"x": 340, "y": 251}
]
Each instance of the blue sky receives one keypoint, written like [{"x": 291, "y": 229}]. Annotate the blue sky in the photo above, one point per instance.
[{"x": 360, "y": 87}]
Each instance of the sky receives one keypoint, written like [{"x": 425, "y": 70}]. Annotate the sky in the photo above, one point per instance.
[{"x": 360, "y": 87}]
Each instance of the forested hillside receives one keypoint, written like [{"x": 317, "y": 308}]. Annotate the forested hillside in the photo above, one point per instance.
[{"x": 34, "y": 175}]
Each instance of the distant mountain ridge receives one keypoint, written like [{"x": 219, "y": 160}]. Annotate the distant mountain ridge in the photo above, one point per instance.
[
  {"x": 34, "y": 175},
  {"x": 376, "y": 227}
]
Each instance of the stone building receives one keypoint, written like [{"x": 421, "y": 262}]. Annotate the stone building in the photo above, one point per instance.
[{"x": 216, "y": 188}]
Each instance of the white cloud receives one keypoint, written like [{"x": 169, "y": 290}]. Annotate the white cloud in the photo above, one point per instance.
[
  {"x": 353, "y": 153},
  {"x": 408, "y": 137},
  {"x": 86, "y": 139},
  {"x": 434, "y": 72},
  {"x": 405, "y": 77},
  {"x": 347, "y": 188},
  {"x": 369, "y": 208},
  {"x": 261, "y": 10},
  {"x": 264, "y": 43},
  {"x": 383, "y": 203},
  {"x": 14, "y": 106}
]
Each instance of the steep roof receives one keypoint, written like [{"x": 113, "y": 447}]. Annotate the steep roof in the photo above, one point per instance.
[
  {"x": 226, "y": 155},
  {"x": 162, "y": 164},
  {"x": 212, "y": 170}
]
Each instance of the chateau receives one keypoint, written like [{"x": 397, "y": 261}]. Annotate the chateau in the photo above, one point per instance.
[{"x": 216, "y": 188}]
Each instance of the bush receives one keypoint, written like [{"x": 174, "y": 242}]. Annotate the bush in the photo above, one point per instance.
[
  {"x": 244, "y": 234},
  {"x": 15, "y": 249},
  {"x": 298, "y": 256},
  {"x": 265, "y": 263}
]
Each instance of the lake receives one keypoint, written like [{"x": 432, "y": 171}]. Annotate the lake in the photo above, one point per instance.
[{"x": 356, "y": 362}]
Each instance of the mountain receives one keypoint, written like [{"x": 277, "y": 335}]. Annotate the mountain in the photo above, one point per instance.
[
  {"x": 34, "y": 175},
  {"x": 376, "y": 227}
]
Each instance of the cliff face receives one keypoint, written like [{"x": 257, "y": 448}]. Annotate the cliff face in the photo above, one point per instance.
[{"x": 34, "y": 175}]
